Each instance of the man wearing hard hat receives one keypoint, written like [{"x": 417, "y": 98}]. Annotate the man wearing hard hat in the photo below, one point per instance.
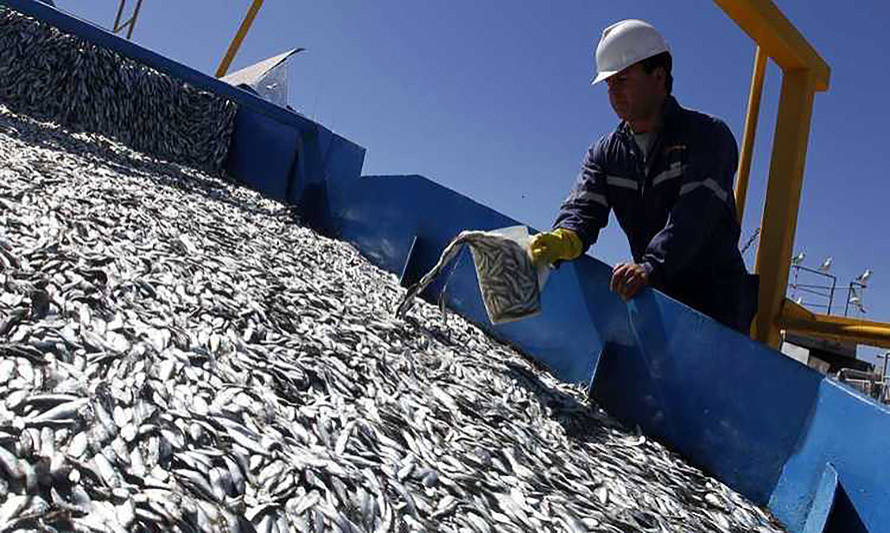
[{"x": 667, "y": 172}]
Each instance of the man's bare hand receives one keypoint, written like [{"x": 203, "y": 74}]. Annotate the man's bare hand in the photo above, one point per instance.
[{"x": 628, "y": 279}]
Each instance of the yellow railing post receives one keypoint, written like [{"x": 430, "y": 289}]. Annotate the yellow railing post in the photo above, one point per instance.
[
  {"x": 779, "y": 220},
  {"x": 133, "y": 20},
  {"x": 804, "y": 74},
  {"x": 236, "y": 42},
  {"x": 747, "y": 152}
]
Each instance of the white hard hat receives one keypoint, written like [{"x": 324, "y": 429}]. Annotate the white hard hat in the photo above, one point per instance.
[{"x": 625, "y": 43}]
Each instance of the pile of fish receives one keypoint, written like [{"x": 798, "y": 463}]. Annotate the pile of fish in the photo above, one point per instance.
[
  {"x": 60, "y": 77},
  {"x": 178, "y": 354}
]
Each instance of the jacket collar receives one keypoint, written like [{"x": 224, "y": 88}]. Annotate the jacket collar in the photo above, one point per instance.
[{"x": 669, "y": 110}]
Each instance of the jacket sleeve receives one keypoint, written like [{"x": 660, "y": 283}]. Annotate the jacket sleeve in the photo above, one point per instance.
[
  {"x": 705, "y": 197},
  {"x": 586, "y": 210}
]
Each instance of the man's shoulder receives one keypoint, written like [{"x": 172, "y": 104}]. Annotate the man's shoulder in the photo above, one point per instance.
[
  {"x": 698, "y": 122},
  {"x": 705, "y": 133}
]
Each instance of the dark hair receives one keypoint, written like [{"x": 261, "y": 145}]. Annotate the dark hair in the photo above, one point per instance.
[{"x": 664, "y": 61}]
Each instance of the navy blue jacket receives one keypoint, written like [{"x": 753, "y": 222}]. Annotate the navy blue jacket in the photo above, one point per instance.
[{"x": 677, "y": 209}]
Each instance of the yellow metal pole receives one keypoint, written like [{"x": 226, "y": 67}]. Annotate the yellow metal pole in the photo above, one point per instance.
[
  {"x": 117, "y": 19},
  {"x": 781, "y": 41},
  {"x": 841, "y": 329},
  {"x": 779, "y": 220},
  {"x": 236, "y": 42},
  {"x": 741, "y": 185},
  {"x": 133, "y": 19}
]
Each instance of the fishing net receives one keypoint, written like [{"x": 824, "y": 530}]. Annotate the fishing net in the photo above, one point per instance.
[{"x": 508, "y": 280}]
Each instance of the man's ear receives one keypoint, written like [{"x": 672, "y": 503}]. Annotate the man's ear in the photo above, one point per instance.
[{"x": 661, "y": 74}]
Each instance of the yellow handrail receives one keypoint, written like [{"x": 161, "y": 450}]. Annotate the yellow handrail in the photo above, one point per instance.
[
  {"x": 804, "y": 73},
  {"x": 236, "y": 42},
  {"x": 747, "y": 152},
  {"x": 795, "y": 318},
  {"x": 773, "y": 32}
]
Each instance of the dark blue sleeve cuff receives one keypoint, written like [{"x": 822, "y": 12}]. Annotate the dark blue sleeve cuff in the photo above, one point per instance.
[{"x": 651, "y": 272}]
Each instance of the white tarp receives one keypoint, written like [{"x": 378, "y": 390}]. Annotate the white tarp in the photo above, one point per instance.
[{"x": 268, "y": 77}]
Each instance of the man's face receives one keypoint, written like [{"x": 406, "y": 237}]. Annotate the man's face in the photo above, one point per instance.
[{"x": 634, "y": 94}]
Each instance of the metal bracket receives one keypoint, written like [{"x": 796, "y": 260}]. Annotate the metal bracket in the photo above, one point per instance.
[{"x": 831, "y": 510}]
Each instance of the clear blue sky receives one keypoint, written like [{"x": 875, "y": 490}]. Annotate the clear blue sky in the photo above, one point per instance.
[{"x": 492, "y": 98}]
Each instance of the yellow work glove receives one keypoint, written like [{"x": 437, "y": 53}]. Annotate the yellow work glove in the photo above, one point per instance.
[{"x": 558, "y": 245}]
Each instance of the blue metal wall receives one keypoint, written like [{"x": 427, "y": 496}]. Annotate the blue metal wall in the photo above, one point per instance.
[
  {"x": 730, "y": 405},
  {"x": 772, "y": 429},
  {"x": 758, "y": 420}
]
